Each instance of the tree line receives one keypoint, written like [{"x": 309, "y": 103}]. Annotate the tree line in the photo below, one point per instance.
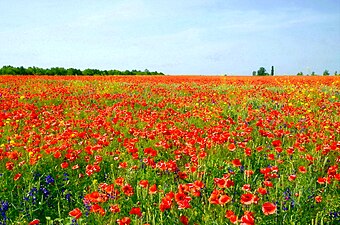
[
  {"x": 325, "y": 73},
  {"x": 61, "y": 71},
  {"x": 262, "y": 72}
]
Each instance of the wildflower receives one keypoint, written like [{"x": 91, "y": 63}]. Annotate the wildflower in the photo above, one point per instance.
[
  {"x": 247, "y": 218},
  {"x": 34, "y": 222},
  {"x": 76, "y": 213},
  {"x": 302, "y": 169},
  {"x": 224, "y": 199},
  {"x": 184, "y": 220},
  {"x": 95, "y": 197},
  {"x": 268, "y": 208},
  {"x": 262, "y": 190},
  {"x": 318, "y": 199},
  {"x": 136, "y": 211},
  {"x": 144, "y": 183},
  {"x": 9, "y": 165},
  {"x": 231, "y": 147},
  {"x": 3, "y": 209},
  {"x": 236, "y": 162},
  {"x": 231, "y": 216},
  {"x": 64, "y": 165},
  {"x": 246, "y": 187},
  {"x": 183, "y": 200},
  {"x": 128, "y": 190},
  {"x": 247, "y": 198},
  {"x": 97, "y": 209},
  {"x": 292, "y": 177},
  {"x": 17, "y": 176},
  {"x": 119, "y": 181},
  {"x": 268, "y": 183},
  {"x": 124, "y": 221},
  {"x": 153, "y": 189},
  {"x": 49, "y": 179},
  {"x": 114, "y": 208}
]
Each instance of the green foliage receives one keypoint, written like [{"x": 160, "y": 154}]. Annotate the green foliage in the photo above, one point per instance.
[
  {"x": 262, "y": 72},
  {"x": 325, "y": 73},
  {"x": 299, "y": 74}
]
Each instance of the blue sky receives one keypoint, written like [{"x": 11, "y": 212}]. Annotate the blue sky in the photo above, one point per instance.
[{"x": 173, "y": 36}]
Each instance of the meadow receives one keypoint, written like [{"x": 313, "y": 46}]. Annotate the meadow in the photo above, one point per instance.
[{"x": 169, "y": 150}]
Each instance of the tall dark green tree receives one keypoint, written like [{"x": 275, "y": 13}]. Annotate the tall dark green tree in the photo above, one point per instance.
[
  {"x": 272, "y": 71},
  {"x": 262, "y": 72}
]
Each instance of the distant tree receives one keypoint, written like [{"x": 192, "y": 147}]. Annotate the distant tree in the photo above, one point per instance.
[
  {"x": 299, "y": 74},
  {"x": 326, "y": 73},
  {"x": 88, "y": 72},
  {"x": 336, "y": 73},
  {"x": 313, "y": 73},
  {"x": 272, "y": 71},
  {"x": 60, "y": 71},
  {"x": 262, "y": 72},
  {"x": 254, "y": 73},
  {"x": 8, "y": 70},
  {"x": 147, "y": 72},
  {"x": 73, "y": 71}
]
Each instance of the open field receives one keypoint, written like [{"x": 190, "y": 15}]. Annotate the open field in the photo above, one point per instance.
[{"x": 169, "y": 150}]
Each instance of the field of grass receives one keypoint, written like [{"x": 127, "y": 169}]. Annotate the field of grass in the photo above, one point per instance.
[{"x": 169, "y": 150}]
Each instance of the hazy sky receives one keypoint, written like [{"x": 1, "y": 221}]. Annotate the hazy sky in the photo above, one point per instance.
[{"x": 173, "y": 36}]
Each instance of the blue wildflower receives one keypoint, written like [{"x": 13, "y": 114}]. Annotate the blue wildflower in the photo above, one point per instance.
[{"x": 49, "y": 179}]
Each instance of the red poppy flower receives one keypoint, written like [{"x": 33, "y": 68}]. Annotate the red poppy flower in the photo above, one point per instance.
[
  {"x": 165, "y": 204},
  {"x": 119, "y": 181},
  {"x": 231, "y": 216},
  {"x": 9, "y": 165},
  {"x": 236, "y": 162},
  {"x": 76, "y": 213},
  {"x": 248, "y": 218},
  {"x": 268, "y": 208},
  {"x": 246, "y": 187},
  {"x": 97, "y": 209},
  {"x": 128, "y": 190},
  {"x": 184, "y": 220},
  {"x": 224, "y": 199},
  {"x": 124, "y": 221},
  {"x": 64, "y": 165},
  {"x": 17, "y": 176},
  {"x": 153, "y": 189},
  {"x": 302, "y": 169},
  {"x": 247, "y": 198},
  {"x": 34, "y": 222},
  {"x": 262, "y": 190},
  {"x": 96, "y": 197},
  {"x": 292, "y": 177},
  {"x": 249, "y": 172},
  {"x": 114, "y": 208},
  {"x": 136, "y": 211},
  {"x": 276, "y": 143},
  {"x": 231, "y": 147},
  {"x": 144, "y": 183},
  {"x": 75, "y": 167},
  {"x": 268, "y": 183},
  {"x": 318, "y": 199}
]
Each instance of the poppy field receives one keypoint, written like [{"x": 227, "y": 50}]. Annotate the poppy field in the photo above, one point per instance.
[{"x": 169, "y": 150}]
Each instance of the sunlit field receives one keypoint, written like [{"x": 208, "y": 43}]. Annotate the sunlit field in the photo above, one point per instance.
[{"x": 169, "y": 150}]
